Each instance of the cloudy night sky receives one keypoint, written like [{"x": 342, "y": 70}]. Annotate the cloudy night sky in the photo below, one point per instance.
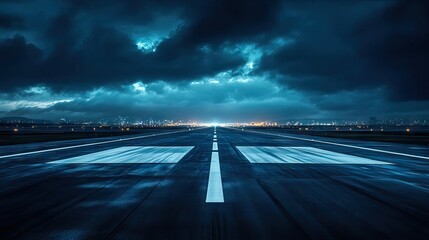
[{"x": 214, "y": 60}]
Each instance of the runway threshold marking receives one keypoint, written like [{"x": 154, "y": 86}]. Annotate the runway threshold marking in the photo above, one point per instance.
[
  {"x": 342, "y": 145},
  {"x": 90, "y": 144},
  {"x": 301, "y": 155},
  {"x": 131, "y": 154},
  {"x": 214, "y": 188}
]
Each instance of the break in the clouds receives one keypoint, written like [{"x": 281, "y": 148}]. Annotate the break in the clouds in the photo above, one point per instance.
[{"x": 214, "y": 60}]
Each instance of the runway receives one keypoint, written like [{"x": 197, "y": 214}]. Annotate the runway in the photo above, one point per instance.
[{"x": 214, "y": 183}]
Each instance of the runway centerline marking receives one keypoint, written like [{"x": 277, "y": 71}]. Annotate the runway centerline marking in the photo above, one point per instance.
[
  {"x": 131, "y": 154},
  {"x": 90, "y": 144},
  {"x": 342, "y": 145},
  {"x": 301, "y": 155},
  {"x": 214, "y": 187}
]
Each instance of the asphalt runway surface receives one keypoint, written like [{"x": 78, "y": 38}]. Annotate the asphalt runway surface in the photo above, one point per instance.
[{"x": 199, "y": 184}]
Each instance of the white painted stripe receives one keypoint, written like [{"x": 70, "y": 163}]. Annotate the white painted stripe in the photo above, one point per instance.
[
  {"x": 304, "y": 155},
  {"x": 131, "y": 154},
  {"x": 342, "y": 145},
  {"x": 214, "y": 146},
  {"x": 215, "y": 136},
  {"x": 90, "y": 144},
  {"x": 214, "y": 140},
  {"x": 214, "y": 188}
]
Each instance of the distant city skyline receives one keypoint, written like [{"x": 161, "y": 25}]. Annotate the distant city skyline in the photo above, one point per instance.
[{"x": 170, "y": 122}]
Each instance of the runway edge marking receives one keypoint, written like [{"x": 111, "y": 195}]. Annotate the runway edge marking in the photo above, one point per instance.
[{"x": 92, "y": 144}]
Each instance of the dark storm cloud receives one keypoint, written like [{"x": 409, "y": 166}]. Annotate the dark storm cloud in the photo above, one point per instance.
[
  {"x": 337, "y": 45},
  {"x": 86, "y": 47},
  {"x": 10, "y": 21},
  {"x": 19, "y": 60},
  {"x": 346, "y": 48},
  {"x": 86, "y": 54},
  {"x": 235, "y": 21},
  {"x": 206, "y": 22},
  {"x": 106, "y": 57},
  {"x": 397, "y": 42}
]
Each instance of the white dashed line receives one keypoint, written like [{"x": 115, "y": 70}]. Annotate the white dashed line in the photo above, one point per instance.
[{"x": 214, "y": 189}]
